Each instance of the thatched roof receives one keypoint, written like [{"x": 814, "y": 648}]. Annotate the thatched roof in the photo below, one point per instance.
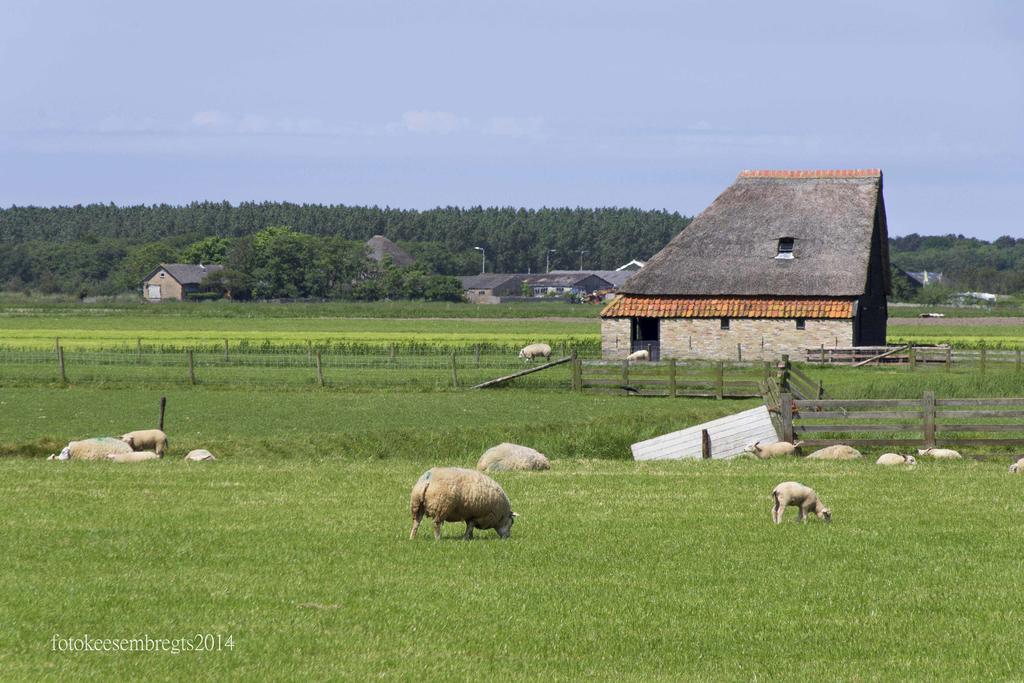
[
  {"x": 380, "y": 246},
  {"x": 730, "y": 248}
]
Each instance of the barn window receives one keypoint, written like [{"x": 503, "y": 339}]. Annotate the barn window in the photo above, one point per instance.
[
  {"x": 801, "y": 324},
  {"x": 785, "y": 248},
  {"x": 724, "y": 323}
]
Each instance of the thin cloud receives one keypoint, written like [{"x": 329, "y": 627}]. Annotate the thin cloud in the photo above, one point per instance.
[
  {"x": 433, "y": 122},
  {"x": 515, "y": 127}
]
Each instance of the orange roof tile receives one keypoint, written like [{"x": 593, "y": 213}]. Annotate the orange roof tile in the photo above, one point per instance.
[{"x": 633, "y": 306}]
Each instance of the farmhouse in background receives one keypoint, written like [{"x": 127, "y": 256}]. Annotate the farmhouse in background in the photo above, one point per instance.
[
  {"x": 380, "y": 246},
  {"x": 174, "y": 281},
  {"x": 565, "y": 282},
  {"x": 489, "y": 288},
  {"x": 782, "y": 261}
]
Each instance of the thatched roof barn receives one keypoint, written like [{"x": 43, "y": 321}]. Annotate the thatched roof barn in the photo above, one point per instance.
[
  {"x": 780, "y": 262},
  {"x": 380, "y": 246}
]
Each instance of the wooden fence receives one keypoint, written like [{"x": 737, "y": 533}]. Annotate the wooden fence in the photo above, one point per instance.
[
  {"x": 915, "y": 356},
  {"x": 957, "y": 421},
  {"x": 671, "y": 378}
]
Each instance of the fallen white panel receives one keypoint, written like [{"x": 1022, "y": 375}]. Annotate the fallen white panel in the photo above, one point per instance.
[{"x": 729, "y": 436}]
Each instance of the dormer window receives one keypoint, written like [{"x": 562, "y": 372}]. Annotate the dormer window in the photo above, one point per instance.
[{"x": 785, "y": 248}]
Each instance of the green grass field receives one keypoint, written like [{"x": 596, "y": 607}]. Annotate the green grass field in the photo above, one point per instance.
[{"x": 615, "y": 570}]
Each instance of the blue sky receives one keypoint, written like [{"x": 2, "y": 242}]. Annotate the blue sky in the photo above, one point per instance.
[{"x": 526, "y": 103}]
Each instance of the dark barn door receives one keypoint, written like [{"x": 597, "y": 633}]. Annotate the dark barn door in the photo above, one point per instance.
[{"x": 645, "y": 333}]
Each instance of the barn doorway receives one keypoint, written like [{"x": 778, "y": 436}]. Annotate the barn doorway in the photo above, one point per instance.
[{"x": 645, "y": 334}]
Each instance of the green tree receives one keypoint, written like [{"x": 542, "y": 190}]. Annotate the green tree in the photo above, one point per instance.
[{"x": 208, "y": 250}]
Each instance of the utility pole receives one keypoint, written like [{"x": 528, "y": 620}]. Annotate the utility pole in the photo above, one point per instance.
[
  {"x": 483, "y": 259},
  {"x": 582, "y": 252}
]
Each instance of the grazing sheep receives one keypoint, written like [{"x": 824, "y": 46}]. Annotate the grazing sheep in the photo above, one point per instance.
[
  {"x": 1017, "y": 467},
  {"x": 642, "y": 354},
  {"x": 837, "y": 452},
  {"x": 895, "y": 459},
  {"x": 147, "y": 438},
  {"x": 91, "y": 449},
  {"x": 510, "y": 456},
  {"x": 133, "y": 456},
  {"x": 535, "y": 351},
  {"x": 453, "y": 494},
  {"x": 773, "y": 449},
  {"x": 199, "y": 455},
  {"x": 803, "y": 498},
  {"x": 948, "y": 453}
]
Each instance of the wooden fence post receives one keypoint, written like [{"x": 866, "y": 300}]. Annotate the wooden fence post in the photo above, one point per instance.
[
  {"x": 319, "y": 369},
  {"x": 949, "y": 358},
  {"x": 1018, "y": 361},
  {"x": 476, "y": 354},
  {"x": 226, "y": 357},
  {"x": 576, "y": 380},
  {"x": 671, "y": 377},
  {"x": 822, "y": 358},
  {"x": 720, "y": 380},
  {"x": 739, "y": 352},
  {"x": 821, "y": 390},
  {"x": 391, "y": 353},
  {"x": 56, "y": 345},
  {"x": 625, "y": 374},
  {"x": 784, "y": 373},
  {"x": 982, "y": 359},
  {"x": 309, "y": 352},
  {"x": 138, "y": 349},
  {"x": 191, "y": 368},
  {"x": 912, "y": 357},
  {"x": 928, "y": 409},
  {"x": 705, "y": 444},
  {"x": 163, "y": 407},
  {"x": 455, "y": 373},
  {"x": 60, "y": 364},
  {"x": 786, "y": 410}
]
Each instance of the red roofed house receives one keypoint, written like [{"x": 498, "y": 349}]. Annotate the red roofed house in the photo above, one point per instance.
[{"x": 782, "y": 261}]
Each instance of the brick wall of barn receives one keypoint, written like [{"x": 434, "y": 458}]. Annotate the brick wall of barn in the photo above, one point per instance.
[{"x": 760, "y": 338}]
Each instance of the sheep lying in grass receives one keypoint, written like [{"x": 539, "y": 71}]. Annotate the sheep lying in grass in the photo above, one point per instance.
[
  {"x": 837, "y": 452},
  {"x": 143, "y": 439},
  {"x": 199, "y": 455},
  {"x": 772, "y": 450},
  {"x": 895, "y": 459},
  {"x": 133, "y": 456},
  {"x": 642, "y": 354},
  {"x": 453, "y": 494},
  {"x": 535, "y": 351},
  {"x": 947, "y": 453},
  {"x": 510, "y": 456},
  {"x": 804, "y": 498},
  {"x": 1017, "y": 467},
  {"x": 91, "y": 449}
]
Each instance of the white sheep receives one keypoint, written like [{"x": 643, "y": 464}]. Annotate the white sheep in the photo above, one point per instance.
[
  {"x": 895, "y": 459},
  {"x": 947, "y": 453},
  {"x": 133, "y": 456},
  {"x": 1017, "y": 467},
  {"x": 453, "y": 494},
  {"x": 804, "y": 498},
  {"x": 837, "y": 452},
  {"x": 510, "y": 456},
  {"x": 199, "y": 455},
  {"x": 91, "y": 449},
  {"x": 772, "y": 450},
  {"x": 142, "y": 439},
  {"x": 535, "y": 351},
  {"x": 642, "y": 354}
]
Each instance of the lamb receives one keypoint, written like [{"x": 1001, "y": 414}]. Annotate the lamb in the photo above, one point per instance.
[
  {"x": 91, "y": 449},
  {"x": 133, "y": 456},
  {"x": 642, "y": 354},
  {"x": 947, "y": 453},
  {"x": 510, "y": 456},
  {"x": 804, "y": 498},
  {"x": 773, "y": 449},
  {"x": 153, "y": 439},
  {"x": 535, "y": 351},
  {"x": 454, "y": 494},
  {"x": 837, "y": 452},
  {"x": 895, "y": 459},
  {"x": 199, "y": 455}
]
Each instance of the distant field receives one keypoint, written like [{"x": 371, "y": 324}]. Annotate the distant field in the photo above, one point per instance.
[{"x": 615, "y": 571}]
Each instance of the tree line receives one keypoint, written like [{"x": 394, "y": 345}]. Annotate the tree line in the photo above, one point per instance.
[{"x": 106, "y": 249}]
